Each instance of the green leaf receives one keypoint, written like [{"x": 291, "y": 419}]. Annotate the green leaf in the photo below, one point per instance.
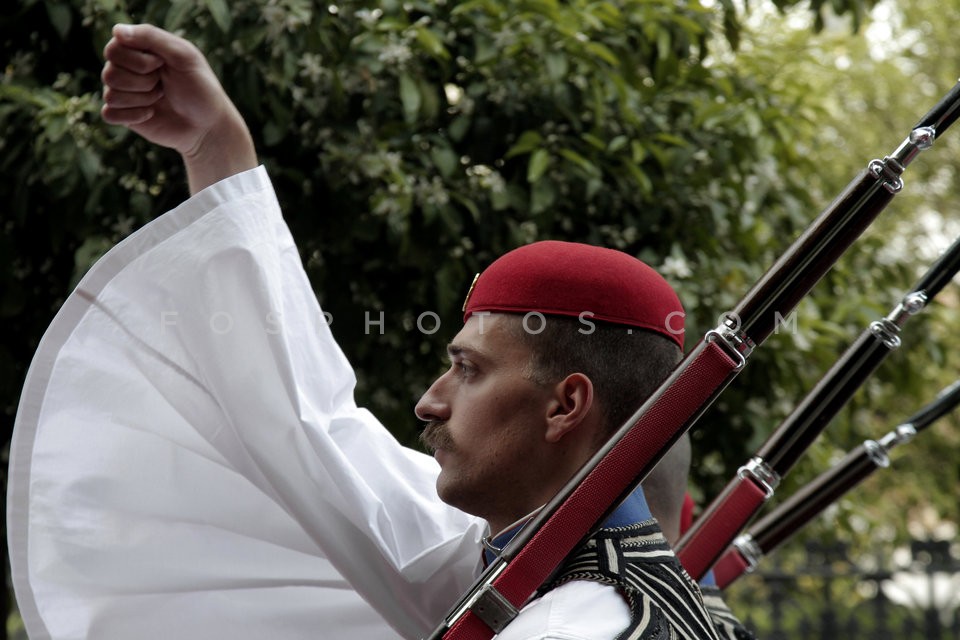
[
  {"x": 604, "y": 53},
  {"x": 617, "y": 143},
  {"x": 673, "y": 139},
  {"x": 500, "y": 199},
  {"x": 640, "y": 178},
  {"x": 538, "y": 165},
  {"x": 556, "y": 64},
  {"x": 596, "y": 142},
  {"x": 429, "y": 99},
  {"x": 61, "y": 17},
  {"x": 176, "y": 14},
  {"x": 580, "y": 161},
  {"x": 542, "y": 196},
  {"x": 445, "y": 160},
  {"x": 220, "y": 11},
  {"x": 459, "y": 127},
  {"x": 468, "y": 204},
  {"x": 431, "y": 43},
  {"x": 638, "y": 152},
  {"x": 89, "y": 162},
  {"x": 664, "y": 44},
  {"x": 529, "y": 140},
  {"x": 409, "y": 97},
  {"x": 55, "y": 127}
]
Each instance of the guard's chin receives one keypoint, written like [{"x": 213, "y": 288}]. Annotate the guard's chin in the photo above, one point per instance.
[{"x": 445, "y": 491}]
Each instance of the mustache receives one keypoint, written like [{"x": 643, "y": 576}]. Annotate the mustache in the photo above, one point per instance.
[{"x": 436, "y": 436}]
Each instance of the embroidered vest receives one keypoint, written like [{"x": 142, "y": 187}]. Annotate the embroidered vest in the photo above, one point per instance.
[
  {"x": 665, "y": 603},
  {"x": 727, "y": 624}
]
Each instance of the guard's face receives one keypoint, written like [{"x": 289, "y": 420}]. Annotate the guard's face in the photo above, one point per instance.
[{"x": 485, "y": 421}]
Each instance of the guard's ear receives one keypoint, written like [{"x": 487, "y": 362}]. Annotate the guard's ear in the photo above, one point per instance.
[{"x": 569, "y": 406}]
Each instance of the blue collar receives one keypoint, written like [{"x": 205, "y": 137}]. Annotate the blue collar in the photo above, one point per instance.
[
  {"x": 631, "y": 511},
  {"x": 708, "y": 579}
]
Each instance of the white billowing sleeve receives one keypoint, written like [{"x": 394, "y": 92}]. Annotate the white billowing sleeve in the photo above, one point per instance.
[
  {"x": 576, "y": 610},
  {"x": 188, "y": 461}
]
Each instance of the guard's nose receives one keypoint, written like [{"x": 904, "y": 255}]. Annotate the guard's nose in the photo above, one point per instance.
[{"x": 432, "y": 406}]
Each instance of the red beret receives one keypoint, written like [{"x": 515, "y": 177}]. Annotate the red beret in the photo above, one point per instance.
[{"x": 567, "y": 279}]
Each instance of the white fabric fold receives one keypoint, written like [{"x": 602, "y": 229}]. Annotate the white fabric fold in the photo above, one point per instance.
[{"x": 188, "y": 460}]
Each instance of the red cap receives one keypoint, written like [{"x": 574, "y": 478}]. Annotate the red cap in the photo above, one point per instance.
[{"x": 569, "y": 279}]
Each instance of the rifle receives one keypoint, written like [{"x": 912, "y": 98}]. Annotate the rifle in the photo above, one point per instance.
[
  {"x": 701, "y": 546},
  {"x": 619, "y": 466},
  {"x": 779, "y": 525}
]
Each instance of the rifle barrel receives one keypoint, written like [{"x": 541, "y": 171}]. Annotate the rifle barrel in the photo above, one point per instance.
[
  {"x": 704, "y": 544},
  {"x": 775, "y": 528}
]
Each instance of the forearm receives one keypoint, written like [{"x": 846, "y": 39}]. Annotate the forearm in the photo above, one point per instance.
[{"x": 227, "y": 149}]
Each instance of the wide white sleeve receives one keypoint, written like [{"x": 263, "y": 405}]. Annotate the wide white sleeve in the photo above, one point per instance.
[{"x": 188, "y": 460}]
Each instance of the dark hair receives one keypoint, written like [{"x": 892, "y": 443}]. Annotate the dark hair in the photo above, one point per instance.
[{"x": 625, "y": 364}]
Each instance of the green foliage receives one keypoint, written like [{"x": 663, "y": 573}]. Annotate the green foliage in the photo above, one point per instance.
[
  {"x": 412, "y": 143},
  {"x": 70, "y": 187},
  {"x": 822, "y": 9},
  {"x": 873, "y": 90}
]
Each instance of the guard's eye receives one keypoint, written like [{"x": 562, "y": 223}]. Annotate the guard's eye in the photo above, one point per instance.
[{"x": 462, "y": 368}]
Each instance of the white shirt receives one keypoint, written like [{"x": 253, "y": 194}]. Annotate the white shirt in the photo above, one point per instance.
[
  {"x": 188, "y": 461},
  {"x": 577, "y": 610}
]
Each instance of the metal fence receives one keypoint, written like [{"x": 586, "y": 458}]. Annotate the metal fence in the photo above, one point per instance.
[{"x": 913, "y": 592}]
